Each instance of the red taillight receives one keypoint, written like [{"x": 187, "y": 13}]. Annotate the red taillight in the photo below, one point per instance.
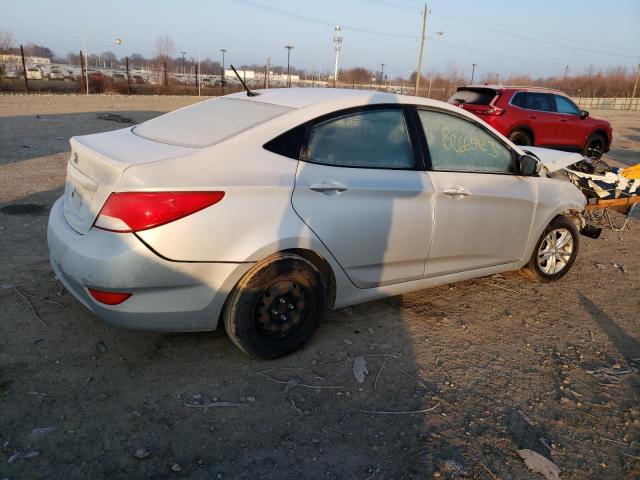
[
  {"x": 135, "y": 211},
  {"x": 109, "y": 298},
  {"x": 493, "y": 111}
]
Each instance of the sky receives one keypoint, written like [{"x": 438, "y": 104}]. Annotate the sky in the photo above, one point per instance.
[{"x": 501, "y": 36}]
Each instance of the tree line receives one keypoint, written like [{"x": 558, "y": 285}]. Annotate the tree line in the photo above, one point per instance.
[{"x": 592, "y": 82}]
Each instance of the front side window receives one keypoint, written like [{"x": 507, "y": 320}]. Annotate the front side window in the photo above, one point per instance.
[
  {"x": 564, "y": 105},
  {"x": 459, "y": 145},
  {"x": 538, "y": 101},
  {"x": 369, "y": 139}
]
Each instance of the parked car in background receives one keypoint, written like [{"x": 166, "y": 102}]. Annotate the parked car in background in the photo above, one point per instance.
[
  {"x": 96, "y": 76},
  {"x": 137, "y": 80},
  {"x": 537, "y": 116},
  {"x": 259, "y": 211},
  {"x": 12, "y": 73},
  {"x": 56, "y": 74},
  {"x": 119, "y": 76},
  {"x": 34, "y": 73}
]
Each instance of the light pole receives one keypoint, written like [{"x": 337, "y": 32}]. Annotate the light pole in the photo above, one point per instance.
[
  {"x": 382, "y": 73},
  {"x": 473, "y": 70},
  {"x": 289, "y": 48},
  {"x": 183, "y": 60},
  {"x": 222, "y": 77}
]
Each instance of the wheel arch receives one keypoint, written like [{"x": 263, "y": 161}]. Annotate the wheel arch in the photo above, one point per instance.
[
  {"x": 571, "y": 210},
  {"x": 524, "y": 128},
  {"x": 604, "y": 134},
  {"x": 323, "y": 266}
]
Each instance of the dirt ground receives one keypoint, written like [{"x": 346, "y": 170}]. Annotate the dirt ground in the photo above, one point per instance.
[{"x": 460, "y": 376}]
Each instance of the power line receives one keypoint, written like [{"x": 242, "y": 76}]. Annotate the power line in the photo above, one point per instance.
[
  {"x": 326, "y": 23},
  {"x": 481, "y": 24},
  {"x": 537, "y": 40}
]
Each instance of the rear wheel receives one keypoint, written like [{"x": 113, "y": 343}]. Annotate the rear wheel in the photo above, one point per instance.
[
  {"x": 521, "y": 137},
  {"x": 555, "y": 251},
  {"x": 595, "y": 146},
  {"x": 276, "y": 307}
]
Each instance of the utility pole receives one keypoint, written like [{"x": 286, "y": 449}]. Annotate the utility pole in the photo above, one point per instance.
[
  {"x": 266, "y": 81},
  {"x": 24, "y": 70},
  {"x": 635, "y": 87},
  {"x": 566, "y": 72},
  {"x": 473, "y": 70},
  {"x": 424, "y": 27},
  {"x": 382, "y": 73},
  {"x": 183, "y": 61},
  {"x": 289, "y": 48},
  {"x": 337, "y": 40},
  {"x": 222, "y": 78},
  {"x": 126, "y": 64},
  {"x": 497, "y": 79},
  {"x": 86, "y": 64}
]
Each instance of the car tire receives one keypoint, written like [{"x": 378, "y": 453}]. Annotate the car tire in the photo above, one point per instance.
[
  {"x": 276, "y": 307},
  {"x": 521, "y": 137},
  {"x": 594, "y": 148},
  {"x": 551, "y": 258}
]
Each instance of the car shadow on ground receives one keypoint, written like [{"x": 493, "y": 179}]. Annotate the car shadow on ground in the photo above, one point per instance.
[{"x": 195, "y": 399}]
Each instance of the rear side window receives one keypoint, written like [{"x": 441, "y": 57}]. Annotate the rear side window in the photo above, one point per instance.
[
  {"x": 288, "y": 144},
  {"x": 564, "y": 105},
  {"x": 539, "y": 101},
  {"x": 473, "y": 96},
  {"x": 519, "y": 100},
  {"x": 369, "y": 139},
  {"x": 458, "y": 145}
]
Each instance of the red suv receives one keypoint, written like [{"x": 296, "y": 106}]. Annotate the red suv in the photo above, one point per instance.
[{"x": 538, "y": 117}]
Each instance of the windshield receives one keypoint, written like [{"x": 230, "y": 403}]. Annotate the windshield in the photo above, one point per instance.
[{"x": 209, "y": 122}]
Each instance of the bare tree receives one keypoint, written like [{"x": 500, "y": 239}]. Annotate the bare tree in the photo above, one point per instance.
[
  {"x": 6, "y": 40},
  {"x": 164, "y": 47},
  {"x": 109, "y": 58},
  {"x": 358, "y": 75}
]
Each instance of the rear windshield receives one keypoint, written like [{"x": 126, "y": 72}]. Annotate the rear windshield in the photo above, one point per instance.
[
  {"x": 474, "y": 96},
  {"x": 209, "y": 122}
]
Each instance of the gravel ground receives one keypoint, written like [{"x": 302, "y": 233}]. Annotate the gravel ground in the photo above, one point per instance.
[{"x": 460, "y": 376}]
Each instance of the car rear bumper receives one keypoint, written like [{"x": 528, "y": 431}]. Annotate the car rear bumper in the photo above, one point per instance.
[{"x": 167, "y": 296}]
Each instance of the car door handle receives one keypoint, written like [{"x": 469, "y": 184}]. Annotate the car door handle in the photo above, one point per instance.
[
  {"x": 533, "y": 117},
  {"x": 456, "y": 192},
  {"x": 326, "y": 187}
]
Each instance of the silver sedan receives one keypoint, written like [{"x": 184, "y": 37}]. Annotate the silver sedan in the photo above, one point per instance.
[{"x": 258, "y": 212}]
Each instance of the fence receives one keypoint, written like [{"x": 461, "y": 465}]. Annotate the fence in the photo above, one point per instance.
[{"x": 613, "y": 103}]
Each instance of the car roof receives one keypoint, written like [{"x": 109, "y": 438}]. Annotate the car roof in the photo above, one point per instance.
[
  {"x": 523, "y": 88},
  {"x": 335, "y": 98}
]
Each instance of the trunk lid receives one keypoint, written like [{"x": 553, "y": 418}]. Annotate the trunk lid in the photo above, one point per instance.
[{"x": 96, "y": 166}]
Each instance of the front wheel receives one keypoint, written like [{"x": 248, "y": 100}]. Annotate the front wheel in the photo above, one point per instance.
[
  {"x": 276, "y": 307},
  {"x": 595, "y": 146},
  {"x": 555, "y": 251}
]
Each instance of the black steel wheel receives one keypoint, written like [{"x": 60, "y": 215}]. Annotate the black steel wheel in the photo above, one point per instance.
[{"x": 276, "y": 307}]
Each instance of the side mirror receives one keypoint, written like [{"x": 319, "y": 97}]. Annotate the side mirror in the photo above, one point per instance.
[
  {"x": 528, "y": 166},
  {"x": 583, "y": 114}
]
